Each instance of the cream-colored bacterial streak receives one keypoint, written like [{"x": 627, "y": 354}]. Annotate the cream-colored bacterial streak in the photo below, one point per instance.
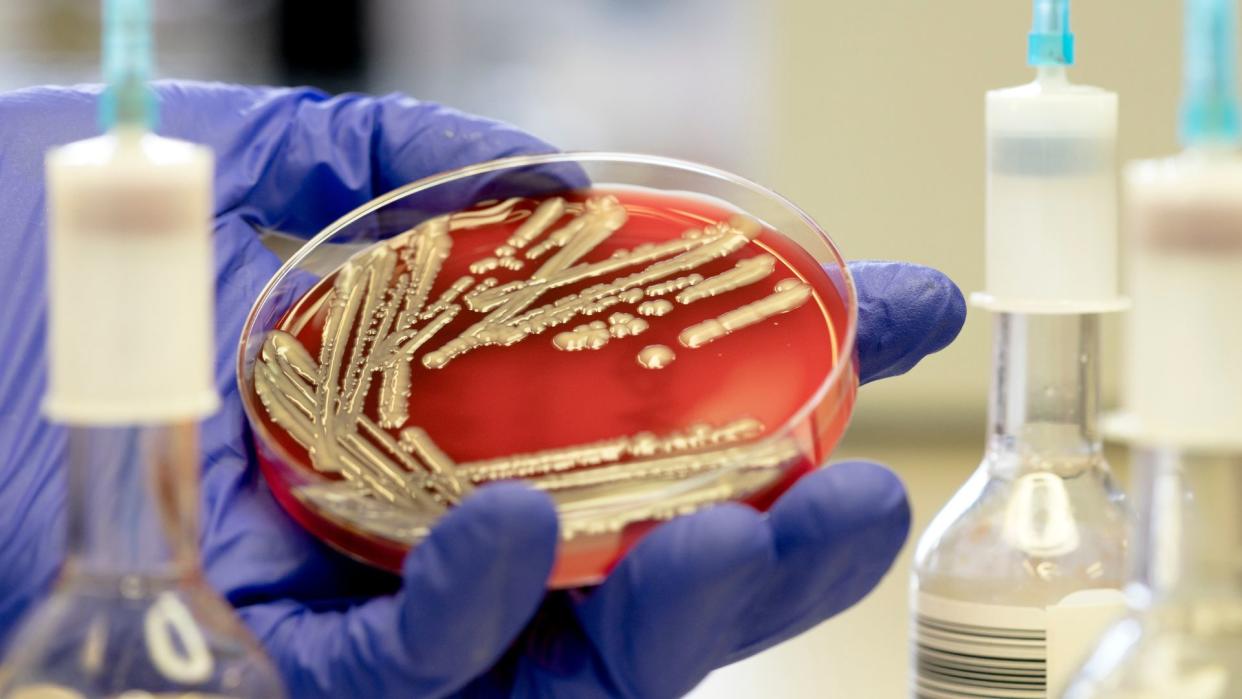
[
  {"x": 641, "y": 445},
  {"x": 675, "y": 284},
  {"x": 778, "y": 302},
  {"x": 748, "y": 271}
]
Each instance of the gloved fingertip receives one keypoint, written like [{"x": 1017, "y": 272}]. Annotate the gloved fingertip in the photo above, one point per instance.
[
  {"x": 856, "y": 515},
  {"x": 503, "y": 521},
  {"x": 472, "y": 585},
  {"x": 521, "y": 514},
  {"x": 728, "y": 539},
  {"x": 905, "y": 312},
  {"x": 862, "y": 493},
  {"x": 679, "y": 591},
  {"x": 836, "y": 533}
]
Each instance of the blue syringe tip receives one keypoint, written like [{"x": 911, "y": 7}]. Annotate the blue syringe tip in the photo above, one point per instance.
[
  {"x": 1209, "y": 111},
  {"x": 1050, "y": 43},
  {"x": 127, "y": 99}
]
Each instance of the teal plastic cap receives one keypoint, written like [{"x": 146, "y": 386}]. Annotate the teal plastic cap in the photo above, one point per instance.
[
  {"x": 127, "y": 99},
  {"x": 1209, "y": 111},
  {"x": 1050, "y": 42}
]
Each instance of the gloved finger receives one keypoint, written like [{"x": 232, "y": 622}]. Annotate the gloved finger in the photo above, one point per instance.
[
  {"x": 468, "y": 591},
  {"x": 905, "y": 312},
  {"x": 296, "y": 159},
  {"x": 836, "y": 533},
  {"x": 669, "y": 611}
]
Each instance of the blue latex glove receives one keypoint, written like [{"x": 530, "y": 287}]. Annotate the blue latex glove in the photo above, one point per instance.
[{"x": 470, "y": 614}]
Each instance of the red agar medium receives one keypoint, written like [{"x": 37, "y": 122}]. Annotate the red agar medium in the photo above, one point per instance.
[{"x": 629, "y": 398}]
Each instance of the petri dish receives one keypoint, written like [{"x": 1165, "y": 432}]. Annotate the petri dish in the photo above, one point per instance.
[{"x": 637, "y": 336}]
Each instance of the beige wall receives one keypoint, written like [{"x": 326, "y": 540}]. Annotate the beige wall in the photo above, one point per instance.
[{"x": 880, "y": 116}]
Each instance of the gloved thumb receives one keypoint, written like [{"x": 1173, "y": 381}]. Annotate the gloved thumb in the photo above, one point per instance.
[{"x": 468, "y": 590}]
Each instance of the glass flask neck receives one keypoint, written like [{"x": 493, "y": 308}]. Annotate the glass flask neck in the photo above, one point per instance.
[
  {"x": 1045, "y": 395},
  {"x": 133, "y": 501},
  {"x": 1188, "y": 558}
]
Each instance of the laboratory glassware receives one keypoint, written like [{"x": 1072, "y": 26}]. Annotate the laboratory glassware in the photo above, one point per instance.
[
  {"x": 131, "y": 615},
  {"x": 130, "y": 375},
  {"x": 1184, "y": 638},
  {"x": 1183, "y": 413},
  {"x": 637, "y": 336},
  {"x": 1019, "y": 572}
]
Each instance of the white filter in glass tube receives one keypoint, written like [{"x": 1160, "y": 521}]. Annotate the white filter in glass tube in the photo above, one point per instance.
[
  {"x": 130, "y": 280},
  {"x": 1051, "y": 199},
  {"x": 1184, "y": 382}
]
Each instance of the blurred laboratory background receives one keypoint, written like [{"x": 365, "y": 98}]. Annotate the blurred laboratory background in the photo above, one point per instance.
[{"x": 867, "y": 114}]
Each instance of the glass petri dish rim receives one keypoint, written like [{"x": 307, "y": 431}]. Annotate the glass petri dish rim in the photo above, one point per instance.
[{"x": 835, "y": 375}]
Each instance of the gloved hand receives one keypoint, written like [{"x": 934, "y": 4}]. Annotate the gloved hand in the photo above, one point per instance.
[{"x": 469, "y": 615}]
